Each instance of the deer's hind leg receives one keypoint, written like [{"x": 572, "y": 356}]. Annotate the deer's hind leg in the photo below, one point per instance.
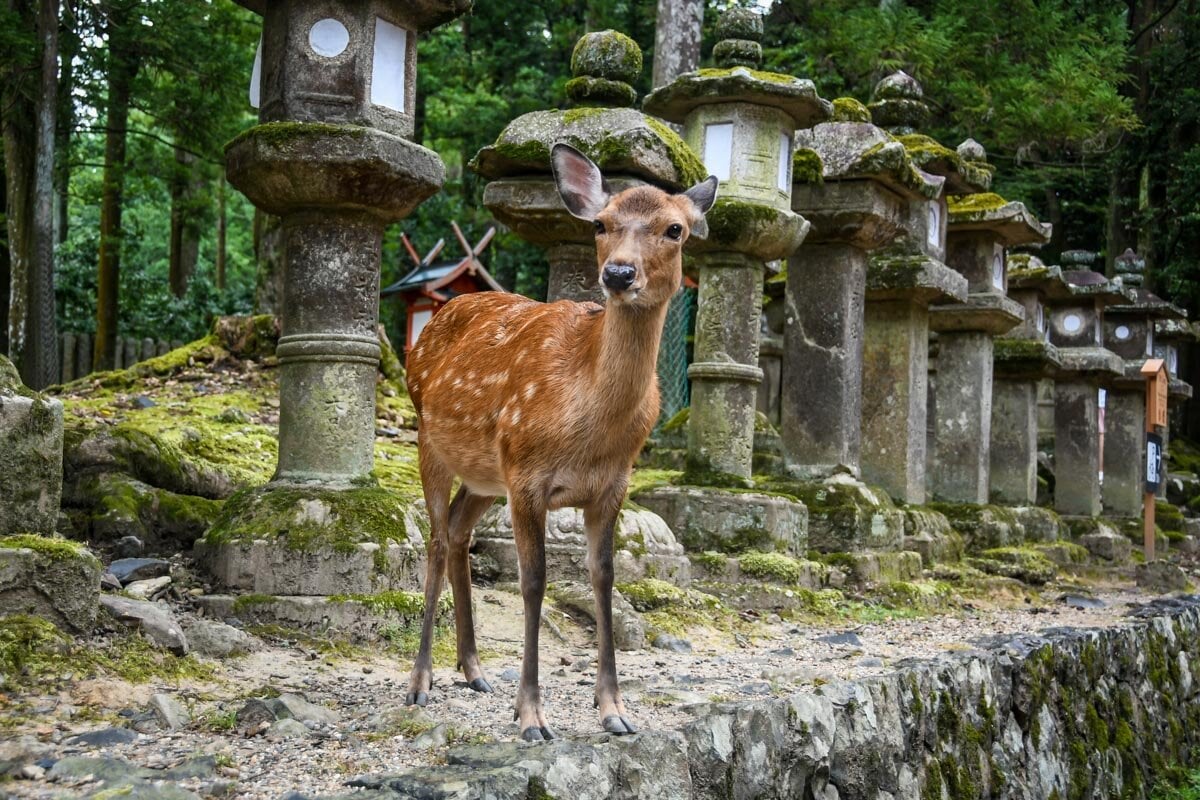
[
  {"x": 436, "y": 480},
  {"x": 465, "y": 511}
]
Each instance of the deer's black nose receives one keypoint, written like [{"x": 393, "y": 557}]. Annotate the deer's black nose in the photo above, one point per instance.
[{"x": 619, "y": 277}]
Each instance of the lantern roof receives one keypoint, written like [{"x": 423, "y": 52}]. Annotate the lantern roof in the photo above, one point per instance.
[
  {"x": 1012, "y": 222},
  {"x": 422, "y": 14}
]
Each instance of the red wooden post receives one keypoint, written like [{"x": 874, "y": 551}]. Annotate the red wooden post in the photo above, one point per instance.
[{"x": 1156, "y": 417}]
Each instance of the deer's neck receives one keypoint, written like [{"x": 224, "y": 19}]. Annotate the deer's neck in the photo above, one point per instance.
[{"x": 626, "y": 354}]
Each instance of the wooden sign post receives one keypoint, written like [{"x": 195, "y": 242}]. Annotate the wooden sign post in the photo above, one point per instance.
[{"x": 1155, "y": 372}]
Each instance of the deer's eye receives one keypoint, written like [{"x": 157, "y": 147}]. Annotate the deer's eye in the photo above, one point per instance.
[
  {"x": 599, "y": 227},
  {"x": 674, "y": 232}
]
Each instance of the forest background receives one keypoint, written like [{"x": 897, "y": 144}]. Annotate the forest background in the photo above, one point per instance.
[{"x": 117, "y": 111}]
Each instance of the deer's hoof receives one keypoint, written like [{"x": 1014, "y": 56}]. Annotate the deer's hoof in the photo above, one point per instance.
[
  {"x": 481, "y": 685},
  {"x": 416, "y": 699},
  {"x": 618, "y": 725},
  {"x": 535, "y": 734}
]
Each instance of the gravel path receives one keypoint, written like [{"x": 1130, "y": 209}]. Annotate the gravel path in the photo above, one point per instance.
[{"x": 372, "y": 732}]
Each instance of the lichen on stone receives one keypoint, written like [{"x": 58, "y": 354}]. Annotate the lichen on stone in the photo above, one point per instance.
[
  {"x": 807, "y": 166},
  {"x": 847, "y": 109}
]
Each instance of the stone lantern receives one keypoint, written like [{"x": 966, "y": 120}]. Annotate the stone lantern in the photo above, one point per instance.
[
  {"x": 857, "y": 319},
  {"x": 1021, "y": 359},
  {"x": 1076, "y": 329},
  {"x": 742, "y": 122},
  {"x": 331, "y": 157},
  {"x": 630, "y": 148},
  {"x": 1129, "y": 332}
]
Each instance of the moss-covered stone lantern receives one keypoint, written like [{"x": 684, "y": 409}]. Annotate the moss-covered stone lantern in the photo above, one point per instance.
[
  {"x": 1076, "y": 329},
  {"x": 1171, "y": 339},
  {"x": 1129, "y": 332},
  {"x": 856, "y": 335},
  {"x": 742, "y": 122},
  {"x": 1021, "y": 359},
  {"x": 981, "y": 225},
  {"x": 630, "y": 148},
  {"x": 330, "y": 157}
]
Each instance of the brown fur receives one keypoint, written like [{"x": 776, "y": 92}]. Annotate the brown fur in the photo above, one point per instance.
[{"x": 550, "y": 405}]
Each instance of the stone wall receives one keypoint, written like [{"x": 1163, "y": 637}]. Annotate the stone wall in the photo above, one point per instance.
[{"x": 1070, "y": 714}]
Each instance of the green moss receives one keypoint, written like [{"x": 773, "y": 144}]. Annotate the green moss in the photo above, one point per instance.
[
  {"x": 730, "y": 220},
  {"x": 688, "y": 165},
  {"x": 248, "y": 601},
  {"x": 711, "y": 560},
  {"x": 10, "y": 381},
  {"x": 1097, "y": 728},
  {"x": 883, "y": 159},
  {"x": 758, "y": 75},
  {"x": 967, "y": 206},
  {"x": 573, "y": 115},
  {"x": 807, "y": 166},
  {"x": 771, "y": 566},
  {"x": 52, "y": 547},
  {"x": 651, "y": 594},
  {"x": 310, "y": 519},
  {"x": 1009, "y": 351},
  {"x": 678, "y": 422},
  {"x": 404, "y": 604},
  {"x": 931, "y": 789},
  {"x": 527, "y": 152},
  {"x": 282, "y": 134},
  {"x": 33, "y": 652},
  {"x": 847, "y": 109}
]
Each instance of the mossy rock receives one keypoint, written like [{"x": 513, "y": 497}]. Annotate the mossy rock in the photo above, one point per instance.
[
  {"x": 52, "y": 578},
  {"x": 118, "y": 505},
  {"x": 847, "y": 109},
  {"x": 807, "y": 166},
  {"x": 1025, "y": 564}
]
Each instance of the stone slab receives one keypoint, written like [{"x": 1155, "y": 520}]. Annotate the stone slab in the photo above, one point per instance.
[
  {"x": 644, "y": 546},
  {"x": 62, "y": 588},
  {"x": 705, "y": 518},
  {"x": 344, "y": 617},
  {"x": 31, "y": 463}
]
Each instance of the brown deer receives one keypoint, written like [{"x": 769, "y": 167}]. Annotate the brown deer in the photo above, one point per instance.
[{"x": 549, "y": 404}]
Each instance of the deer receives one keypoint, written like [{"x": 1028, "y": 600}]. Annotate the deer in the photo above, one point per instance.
[{"x": 547, "y": 404}]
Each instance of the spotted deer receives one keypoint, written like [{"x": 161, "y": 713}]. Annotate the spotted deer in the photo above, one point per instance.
[{"x": 547, "y": 404}]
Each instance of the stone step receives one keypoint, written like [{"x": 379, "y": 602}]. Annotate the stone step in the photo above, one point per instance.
[
  {"x": 354, "y": 617},
  {"x": 729, "y": 520},
  {"x": 644, "y": 547}
]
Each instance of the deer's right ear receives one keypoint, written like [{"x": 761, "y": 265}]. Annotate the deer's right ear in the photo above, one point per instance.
[{"x": 583, "y": 190}]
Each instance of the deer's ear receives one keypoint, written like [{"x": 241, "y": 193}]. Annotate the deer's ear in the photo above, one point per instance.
[
  {"x": 580, "y": 185},
  {"x": 702, "y": 195}
]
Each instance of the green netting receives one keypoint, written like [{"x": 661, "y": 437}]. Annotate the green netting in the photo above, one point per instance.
[{"x": 673, "y": 354}]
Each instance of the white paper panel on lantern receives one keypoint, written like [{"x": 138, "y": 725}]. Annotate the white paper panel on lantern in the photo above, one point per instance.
[
  {"x": 1122, "y": 332},
  {"x": 1150, "y": 343},
  {"x": 935, "y": 224},
  {"x": 718, "y": 149},
  {"x": 785, "y": 162},
  {"x": 419, "y": 320},
  {"x": 256, "y": 78},
  {"x": 328, "y": 38},
  {"x": 387, "y": 68},
  {"x": 1072, "y": 323},
  {"x": 998, "y": 271}
]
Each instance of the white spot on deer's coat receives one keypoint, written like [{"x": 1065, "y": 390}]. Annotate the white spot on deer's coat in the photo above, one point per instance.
[
  {"x": 530, "y": 391},
  {"x": 516, "y": 417}
]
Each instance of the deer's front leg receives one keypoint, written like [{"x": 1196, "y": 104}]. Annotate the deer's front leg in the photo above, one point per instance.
[
  {"x": 600, "y": 520},
  {"x": 529, "y": 530}
]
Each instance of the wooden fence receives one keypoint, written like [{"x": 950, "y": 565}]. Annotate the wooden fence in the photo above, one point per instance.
[{"x": 75, "y": 353}]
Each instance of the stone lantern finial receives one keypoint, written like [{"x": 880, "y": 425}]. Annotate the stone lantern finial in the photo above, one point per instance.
[
  {"x": 971, "y": 150},
  {"x": 1130, "y": 266},
  {"x": 740, "y": 32},
  {"x": 899, "y": 103},
  {"x": 604, "y": 65}
]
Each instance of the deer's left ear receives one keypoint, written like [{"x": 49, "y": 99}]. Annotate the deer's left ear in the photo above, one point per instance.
[
  {"x": 583, "y": 190},
  {"x": 702, "y": 195}
]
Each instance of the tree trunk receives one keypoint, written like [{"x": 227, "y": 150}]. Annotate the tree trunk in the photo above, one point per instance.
[
  {"x": 676, "y": 39},
  {"x": 221, "y": 225},
  {"x": 185, "y": 236},
  {"x": 5, "y": 254},
  {"x": 269, "y": 257},
  {"x": 68, "y": 46},
  {"x": 122, "y": 67},
  {"x": 29, "y": 169}
]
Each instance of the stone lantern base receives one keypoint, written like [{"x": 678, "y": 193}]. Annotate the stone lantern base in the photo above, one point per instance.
[
  {"x": 708, "y": 518},
  {"x": 645, "y": 547},
  {"x": 312, "y": 541}
]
